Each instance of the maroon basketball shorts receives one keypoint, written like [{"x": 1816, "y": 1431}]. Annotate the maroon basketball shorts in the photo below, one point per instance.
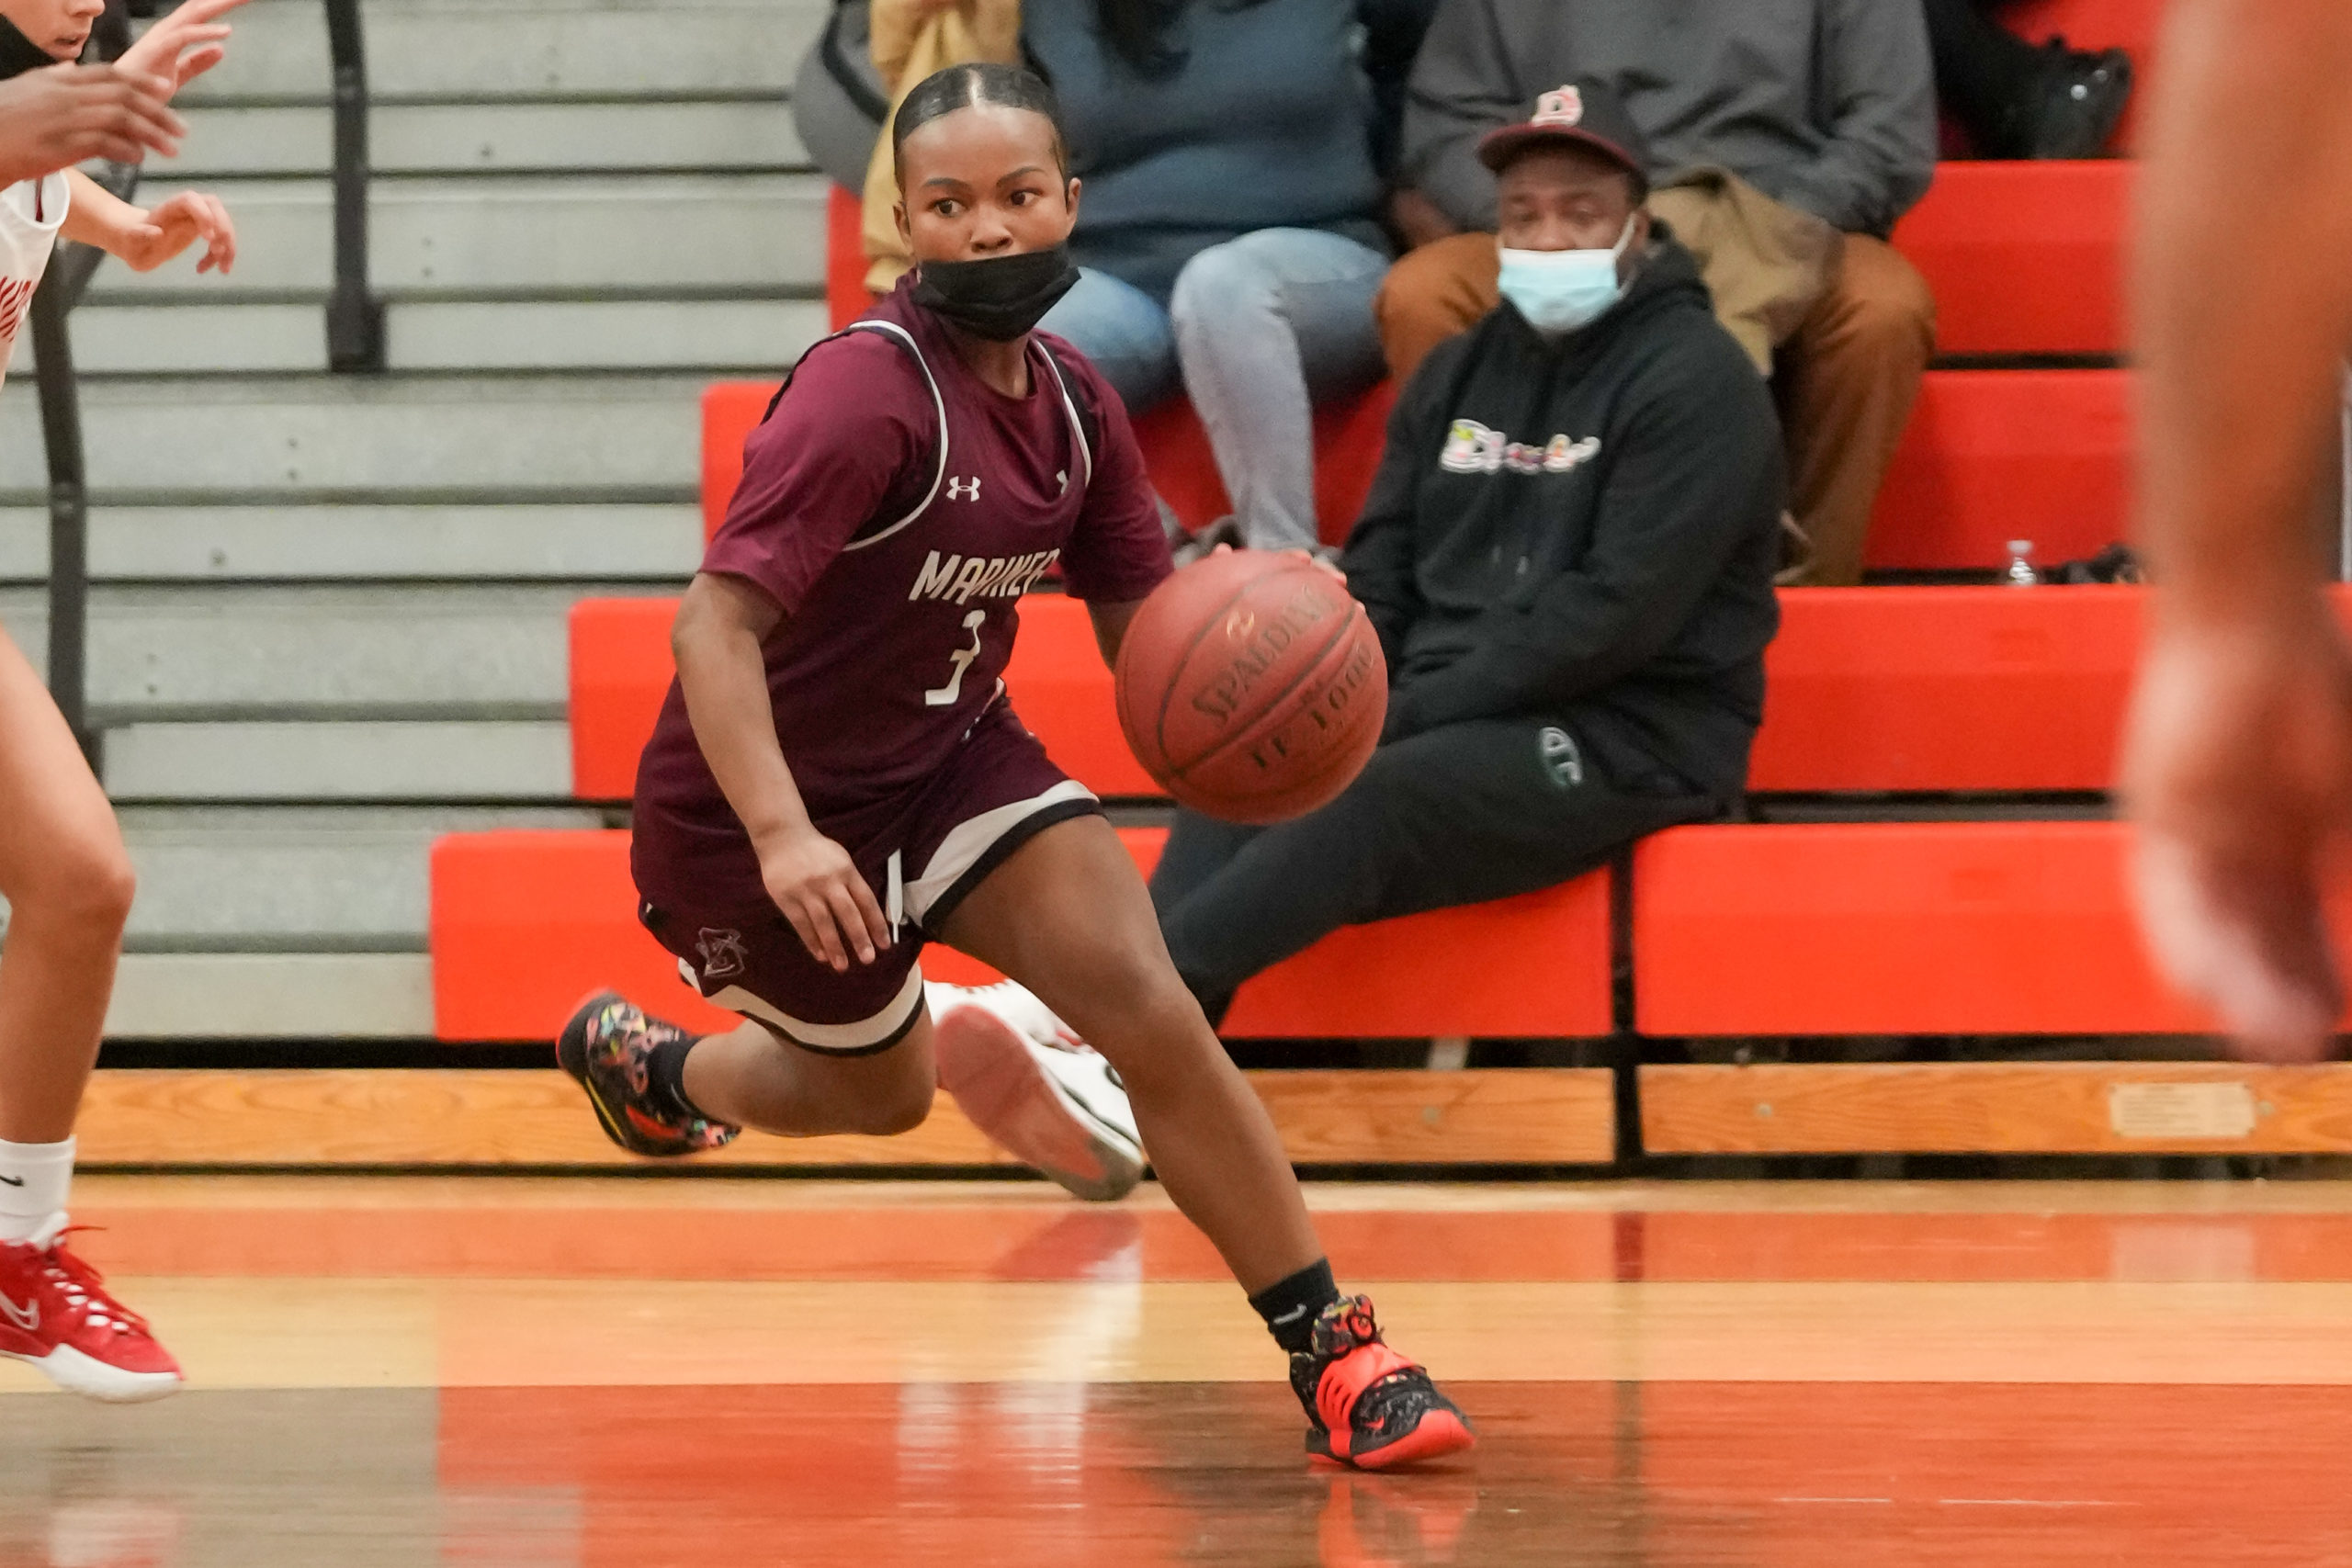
[{"x": 921, "y": 852}]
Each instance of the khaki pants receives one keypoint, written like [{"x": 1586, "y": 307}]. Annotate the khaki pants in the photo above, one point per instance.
[{"x": 1845, "y": 383}]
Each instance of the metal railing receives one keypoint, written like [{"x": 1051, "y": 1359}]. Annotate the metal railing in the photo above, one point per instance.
[
  {"x": 354, "y": 336},
  {"x": 355, "y": 315}
]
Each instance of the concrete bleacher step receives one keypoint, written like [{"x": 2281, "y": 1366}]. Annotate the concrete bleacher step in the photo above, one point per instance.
[
  {"x": 295, "y": 879},
  {"x": 480, "y": 49},
  {"x": 620, "y": 437},
  {"x": 442, "y": 651},
  {"x": 191, "y": 335},
  {"x": 556, "y": 234},
  {"x": 341, "y": 759},
  {"x": 493, "y": 137},
  {"x": 656, "y": 543},
  {"x": 272, "y": 995}
]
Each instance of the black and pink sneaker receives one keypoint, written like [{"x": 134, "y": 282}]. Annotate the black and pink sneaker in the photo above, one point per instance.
[
  {"x": 1368, "y": 1406},
  {"x": 608, "y": 1047}
]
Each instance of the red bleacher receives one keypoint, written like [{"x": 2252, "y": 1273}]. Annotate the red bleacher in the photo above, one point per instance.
[
  {"x": 1875, "y": 927},
  {"x": 1991, "y": 455},
  {"x": 2024, "y": 258},
  {"x": 1919, "y": 689},
  {"x": 525, "y": 923}
]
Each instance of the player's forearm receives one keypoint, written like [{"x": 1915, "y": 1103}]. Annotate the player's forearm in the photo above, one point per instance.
[
  {"x": 1111, "y": 621},
  {"x": 2243, "y": 303},
  {"x": 96, "y": 215},
  {"x": 725, "y": 680}
]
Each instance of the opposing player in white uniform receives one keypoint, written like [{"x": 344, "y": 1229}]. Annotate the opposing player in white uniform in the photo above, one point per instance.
[{"x": 62, "y": 866}]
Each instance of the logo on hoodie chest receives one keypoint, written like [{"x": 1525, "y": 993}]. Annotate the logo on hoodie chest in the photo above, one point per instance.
[{"x": 1473, "y": 448}]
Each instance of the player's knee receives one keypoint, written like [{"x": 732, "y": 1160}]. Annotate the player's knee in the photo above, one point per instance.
[
  {"x": 1150, "y": 1024},
  {"x": 85, "y": 883}
]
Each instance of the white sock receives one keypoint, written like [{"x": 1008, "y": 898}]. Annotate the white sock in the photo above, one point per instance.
[{"x": 34, "y": 1181}]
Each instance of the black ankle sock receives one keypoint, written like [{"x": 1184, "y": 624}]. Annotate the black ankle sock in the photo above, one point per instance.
[
  {"x": 665, "y": 1064},
  {"x": 1290, "y": 1306}
]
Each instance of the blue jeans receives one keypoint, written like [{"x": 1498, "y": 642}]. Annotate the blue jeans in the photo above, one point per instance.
[{"x": 1257, "y": 331}]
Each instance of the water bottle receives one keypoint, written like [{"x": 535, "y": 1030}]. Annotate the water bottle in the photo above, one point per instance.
[{"x": 2020, "y": 573}]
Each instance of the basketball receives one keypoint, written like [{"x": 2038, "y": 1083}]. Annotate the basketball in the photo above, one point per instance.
[{"x": 1252, "y": 686}]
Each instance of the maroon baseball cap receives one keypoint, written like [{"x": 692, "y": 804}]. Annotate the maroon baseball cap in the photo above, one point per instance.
[{"x": 1584, "y": 112}]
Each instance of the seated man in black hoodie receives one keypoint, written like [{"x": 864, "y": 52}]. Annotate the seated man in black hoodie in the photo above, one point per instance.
[{"x": 1568, "y": 553}]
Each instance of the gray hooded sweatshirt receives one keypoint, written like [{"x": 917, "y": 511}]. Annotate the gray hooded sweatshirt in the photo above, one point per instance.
[{"x": 1826, "y": 105}]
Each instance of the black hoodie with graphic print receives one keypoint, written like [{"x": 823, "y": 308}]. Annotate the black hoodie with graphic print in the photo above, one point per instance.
[{"x": 1585, "y": 528}]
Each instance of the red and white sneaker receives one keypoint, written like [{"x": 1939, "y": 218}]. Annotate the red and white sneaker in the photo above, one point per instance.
[
  {"x": 55, "y": 1313},
  {"x": 1038, "y": 1091}
]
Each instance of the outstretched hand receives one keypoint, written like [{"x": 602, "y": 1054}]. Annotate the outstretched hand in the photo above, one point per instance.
[
  {"x": 2238, "y": 769},
  {"x": 183, "y": 46},
  {"x": 173, "y": 226},
  {"x": 64, "y": 114}
]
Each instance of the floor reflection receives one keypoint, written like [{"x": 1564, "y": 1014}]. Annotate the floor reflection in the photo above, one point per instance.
[{"x": 869, "y": 1476}]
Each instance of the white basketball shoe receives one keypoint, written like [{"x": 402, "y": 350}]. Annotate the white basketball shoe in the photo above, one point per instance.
[{"x": 1038, "y": 1091}]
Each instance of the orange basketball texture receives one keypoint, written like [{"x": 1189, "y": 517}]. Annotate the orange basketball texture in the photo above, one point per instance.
[{"x": 1252, "y": 687}]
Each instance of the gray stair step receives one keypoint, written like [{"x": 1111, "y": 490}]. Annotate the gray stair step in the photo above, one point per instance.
[
  {"x": 620, "y": 438},
  {"x": 242, "y": 879},
  {"x": 659, "y": 544},
  {"x": 492, "y": 137},
  {"x": 748, "y": 336},
  {"x": 523, "y": 47},
  {"x": 671, "y": 233},
  {"x": 446, "y": 653},
  {"x": 348, "y": 759},
  {"x": 272, "y": 995}
]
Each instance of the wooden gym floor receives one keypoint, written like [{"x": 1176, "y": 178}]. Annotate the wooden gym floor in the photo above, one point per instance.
[{"x": 615, "y": 1371}]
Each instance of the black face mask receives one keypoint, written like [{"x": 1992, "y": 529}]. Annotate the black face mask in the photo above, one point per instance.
[
  {"x": 1000, "y": 297},
  {"x": 19, "y": 54}
]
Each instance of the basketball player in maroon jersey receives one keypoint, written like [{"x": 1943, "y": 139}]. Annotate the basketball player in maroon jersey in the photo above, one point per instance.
[
  {"x": 837, "y": 778},
  {"x": 2239, "y": 763}
]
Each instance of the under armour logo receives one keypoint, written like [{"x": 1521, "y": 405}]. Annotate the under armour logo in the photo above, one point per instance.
[
  {"x": 964, "y": 490},
  {"x": 25, "y": 1317}
]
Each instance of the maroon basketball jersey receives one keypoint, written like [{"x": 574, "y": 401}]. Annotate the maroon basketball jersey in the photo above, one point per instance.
[{"x": 896, "y": 507}]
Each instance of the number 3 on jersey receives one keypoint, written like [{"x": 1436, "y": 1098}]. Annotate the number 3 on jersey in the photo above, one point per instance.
[{"x": 944, "y": 697}]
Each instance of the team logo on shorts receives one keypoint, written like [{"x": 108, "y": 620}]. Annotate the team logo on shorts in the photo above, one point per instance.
[{"x": 722, "y": 953}]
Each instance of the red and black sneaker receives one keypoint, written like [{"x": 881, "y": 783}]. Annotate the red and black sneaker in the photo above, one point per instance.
[
  {"x": 55, "y": 1313},
  {"x": 1367, "y": 1405},
  {"x": 607, "y": 1048}
]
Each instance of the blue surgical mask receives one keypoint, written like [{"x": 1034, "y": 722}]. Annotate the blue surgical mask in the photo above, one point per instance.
[{"x": 1559, "y": 291}]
